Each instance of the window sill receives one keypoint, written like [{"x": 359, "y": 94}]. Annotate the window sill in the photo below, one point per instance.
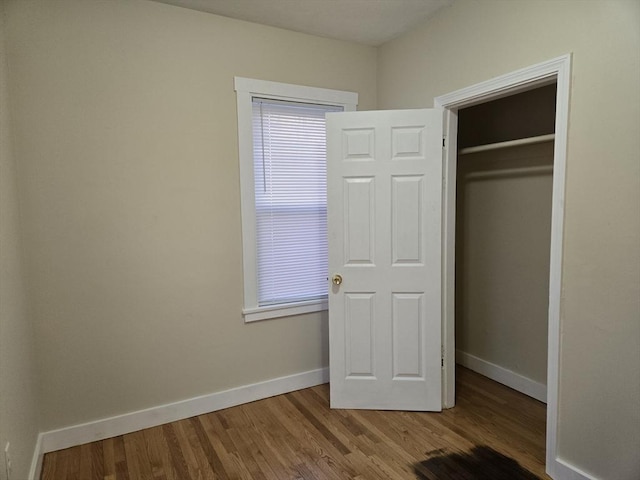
[{"x": 284, "y": 310}]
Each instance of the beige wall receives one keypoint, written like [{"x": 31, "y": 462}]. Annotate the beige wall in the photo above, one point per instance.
[
  {"x": 599, "y": 419},
  {"x": 503, "y": 233},
  {"x": 18, "y": 389},
  {"x": 126, "y": 138}
]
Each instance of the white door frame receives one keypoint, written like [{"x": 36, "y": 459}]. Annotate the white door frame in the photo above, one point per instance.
[{"x": 555, "y": 70}]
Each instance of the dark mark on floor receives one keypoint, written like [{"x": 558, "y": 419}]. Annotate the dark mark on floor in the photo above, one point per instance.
[{"x": 480, "y": 463}]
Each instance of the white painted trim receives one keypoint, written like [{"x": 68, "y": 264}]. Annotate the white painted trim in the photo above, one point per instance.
[
  {"x": 284, "y": 310},
  {"x": 566, "y": 471},
  {"x": 555, "y": 262},
  {"x": 246, "y": 89},
  {"x": 558, "y": 70},
  {"x": 35, "y": 472},
  {"x": 524, "y": 79},
  {"x": 151, "y": 417},
  {"x": 503, "y": 375},
  {"x": 296, "y": 93}
]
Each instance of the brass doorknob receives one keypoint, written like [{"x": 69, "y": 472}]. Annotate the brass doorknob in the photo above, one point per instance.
[{"x": 336, "y": 279}]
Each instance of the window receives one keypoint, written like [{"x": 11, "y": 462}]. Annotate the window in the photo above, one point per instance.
[
  {"x": 281, "y": 133},
  {"x": 290, "y": 171}
]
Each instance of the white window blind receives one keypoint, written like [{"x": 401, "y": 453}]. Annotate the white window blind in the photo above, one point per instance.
[{"x": 290, "y": 173}]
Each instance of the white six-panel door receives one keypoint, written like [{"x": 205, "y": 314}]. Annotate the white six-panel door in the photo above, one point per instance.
[{"x": 384, "y": 221}]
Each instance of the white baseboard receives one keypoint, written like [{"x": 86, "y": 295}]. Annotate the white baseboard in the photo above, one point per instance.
[
  {"x": 500, "y": 374},
  {"x": 131, "y": 422},
  {"x": 35, "y": 472},
  {"x": 563, "y": 470},
  {"x": 151, "y": 417}
]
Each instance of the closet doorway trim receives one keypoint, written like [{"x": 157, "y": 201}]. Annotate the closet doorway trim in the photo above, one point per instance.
[{"x": 557, "y": 70}]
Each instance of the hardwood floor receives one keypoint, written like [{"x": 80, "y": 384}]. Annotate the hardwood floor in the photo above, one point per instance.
[{"x": 493, "y": 432}]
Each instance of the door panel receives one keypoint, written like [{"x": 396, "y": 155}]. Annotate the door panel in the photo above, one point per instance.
[
  {"x": 384, "y": 214},
  {"x": 359, "y": 221},
  {"x": 407, "y": 348},
  {"x": 406, "y": 234},
  {"x": 359, "y": 308}
]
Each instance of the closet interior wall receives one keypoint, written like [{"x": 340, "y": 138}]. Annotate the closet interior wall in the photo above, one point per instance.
[{"x": 503, "y": 230}]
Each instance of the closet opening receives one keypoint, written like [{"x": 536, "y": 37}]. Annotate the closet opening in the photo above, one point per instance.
[
  {"x": 556, "y": 72},
  {"x": 504, "y": 192}
]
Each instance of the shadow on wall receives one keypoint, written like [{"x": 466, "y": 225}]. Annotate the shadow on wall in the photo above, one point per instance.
[{"x": 481, "y": 463}]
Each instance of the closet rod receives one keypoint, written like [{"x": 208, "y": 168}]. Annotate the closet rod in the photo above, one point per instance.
[
  {"x": 510, "y": 143},
  {"x": 508, "y": 172}
]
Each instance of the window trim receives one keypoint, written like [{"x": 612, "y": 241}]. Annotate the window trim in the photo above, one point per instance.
[{"x": 246, "y": 89}]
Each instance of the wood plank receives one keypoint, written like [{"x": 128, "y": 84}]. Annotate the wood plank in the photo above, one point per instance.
[
  {"x": 159, "y": 455},
  {"x": 138, "y": 463},
  {"x": 177, "y": 458},
  {"x": 220, "y": 442},
  {"x": 208, "y": 450},
  {"x": 122, "y": 471},
  {"x": 109, "y": 460},
  {"x": 50, "y": 467}
]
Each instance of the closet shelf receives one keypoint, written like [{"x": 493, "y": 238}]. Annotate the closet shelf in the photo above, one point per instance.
[{"x": 510, "y": 143}]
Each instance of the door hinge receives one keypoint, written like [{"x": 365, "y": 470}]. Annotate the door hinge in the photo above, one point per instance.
[{"x": 444, "y": 141}]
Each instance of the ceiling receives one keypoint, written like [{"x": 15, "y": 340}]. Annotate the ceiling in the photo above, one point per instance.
[{"x": 370, "y": 22}]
